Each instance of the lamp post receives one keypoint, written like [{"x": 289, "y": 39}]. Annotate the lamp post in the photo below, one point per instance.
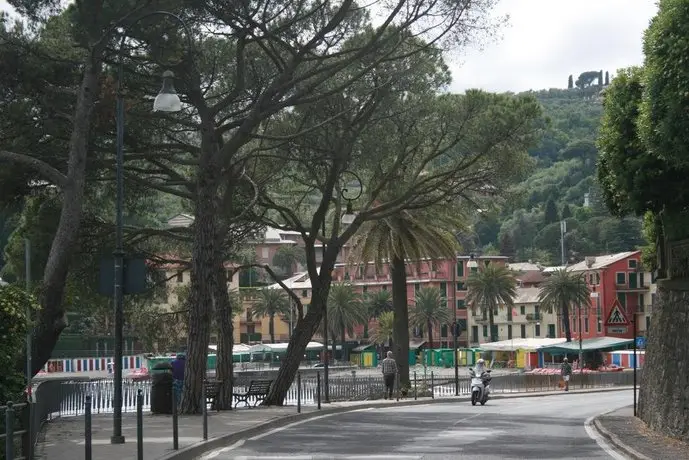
[
  {"x": 166, "y": 101},
  {"x": 581, "y": 347},
  {"x": 455, "y": 326}
]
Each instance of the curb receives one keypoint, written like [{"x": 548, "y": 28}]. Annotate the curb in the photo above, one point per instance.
[
  {"x": 616, "y": 442},
  {"x": 194, "y": 451}
]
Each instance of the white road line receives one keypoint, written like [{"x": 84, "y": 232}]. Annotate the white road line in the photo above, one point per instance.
[
  {"x": 329, "y": 457},
  {"x": 309, "y": 420},
  {"x": 462, "y": 420},
  {"x": 602, "y": 443},
  {"x": 217, "y": 452}
]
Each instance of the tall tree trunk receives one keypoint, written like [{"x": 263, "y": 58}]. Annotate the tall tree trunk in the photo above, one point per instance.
[
  {"x": 429, "y": 325},
  {"x": 303, "y": 332},
  {"x": 400, "y": 307},
  {"x": 491, "y": 325},
  {"x": 565, "y": 322},
  {"x": 51, "y": 319},
  {"x": 203, "y": 272},
  {"x": 333, "y": 347},
  {"x": 343, "y": 335},
  {"x": 664, "y": 398},
  {"x": 271, "y": 327},
  {"x": 224, "y": 367}
]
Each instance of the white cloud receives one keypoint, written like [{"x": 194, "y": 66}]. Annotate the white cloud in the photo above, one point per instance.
[{"x": 547, "y": 40}]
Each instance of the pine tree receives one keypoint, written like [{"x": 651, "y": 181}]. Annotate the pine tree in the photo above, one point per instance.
[
  {"x": 550, "y": 212},
  {"x": 607, "y": 78},
  {"x": 566, "y": 212},
  {"x": 570, "y": 83}
]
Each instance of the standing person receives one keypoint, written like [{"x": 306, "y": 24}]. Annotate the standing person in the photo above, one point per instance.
[
  {"x": 389, "y": 367},
  {"x": 178, "y": 375},
  {"x": 566, "y": 371}
]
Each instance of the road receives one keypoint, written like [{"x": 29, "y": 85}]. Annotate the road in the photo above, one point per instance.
[{"x": 551, "y": 427}]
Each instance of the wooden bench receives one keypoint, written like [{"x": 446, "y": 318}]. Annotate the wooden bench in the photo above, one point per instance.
[
  {"x": 257, "y": 389},
  {"x": 212, "y": 391}
]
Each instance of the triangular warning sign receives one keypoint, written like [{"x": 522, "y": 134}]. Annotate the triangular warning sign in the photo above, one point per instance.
[{"x": 617, "y": 317}]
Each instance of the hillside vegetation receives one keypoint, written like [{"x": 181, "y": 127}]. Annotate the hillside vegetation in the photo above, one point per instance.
[{"x": 562, "y": 186}]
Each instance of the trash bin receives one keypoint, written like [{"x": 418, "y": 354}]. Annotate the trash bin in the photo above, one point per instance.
[{"x": 161, "y": 388}]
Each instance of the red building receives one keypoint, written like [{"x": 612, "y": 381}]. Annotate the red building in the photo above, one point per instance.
[
  {"x": 443, "y": 274},
  {"x": 620, "y": 293}
]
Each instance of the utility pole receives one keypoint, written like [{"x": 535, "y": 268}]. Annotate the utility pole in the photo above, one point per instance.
[
  {"x": 325, "y": 332},
  {"x": 581, "y": 352},
  {"x": 29, "y": 333},
  {"x": 455, "y": 327},
  {"x": 563, "y": 230}
]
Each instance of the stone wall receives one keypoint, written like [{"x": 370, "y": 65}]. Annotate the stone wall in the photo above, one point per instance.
[{"x": 664, "y": 394}]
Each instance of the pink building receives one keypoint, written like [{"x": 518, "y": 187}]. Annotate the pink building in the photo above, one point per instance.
[{"x": 447, "y": 275}]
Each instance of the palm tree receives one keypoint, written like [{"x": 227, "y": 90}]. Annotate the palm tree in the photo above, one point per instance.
[
  {"x": 406, "y": 235},
  {"x": 491, "y": 287},
  {"x": 271, "y": 302},
  {"x": 383, "y": 332},
  {"x": 560, "y": 292},
  {"x": 377, "y": 303},
  {"x": 430, "y": 308},
  {"x": 345, "y": 310}
]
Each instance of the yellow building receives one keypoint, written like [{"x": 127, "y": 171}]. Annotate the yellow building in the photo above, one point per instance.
[{"x": 249, "y": 329}]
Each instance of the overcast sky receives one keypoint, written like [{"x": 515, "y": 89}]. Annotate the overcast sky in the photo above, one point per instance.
[{"x": 547, "y": 40}]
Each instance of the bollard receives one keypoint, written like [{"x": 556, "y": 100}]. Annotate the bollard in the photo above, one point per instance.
[
  {"x": 397, "y": 384},
  {"x": 318, "y": 389},
  {"x": 204, "y": 411},
  {"x": 175, "y": 426},
  {"x": 9, "y": 432},
  {"x": 139, "y": 425},
  {"x": 298, "y": 392},
  {"x": 88, "y": 451},
  {"x": 415, "y": 392},
  {"x": 432, "y": 386}
]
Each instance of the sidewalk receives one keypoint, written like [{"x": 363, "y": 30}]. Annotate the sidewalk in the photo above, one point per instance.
[
  {"x": 631, "y": 437},
  {"x": 64, "y": 437}
]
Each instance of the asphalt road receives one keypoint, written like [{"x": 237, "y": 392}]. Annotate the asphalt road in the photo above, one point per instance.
[{"x": 551, "y": 427}]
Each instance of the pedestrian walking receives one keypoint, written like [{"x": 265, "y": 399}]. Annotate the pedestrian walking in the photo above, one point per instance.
[
  {"x": 178, "y": 375},
  {"x": 566, "y": 372},
  {"x": 389, "y": 367}
]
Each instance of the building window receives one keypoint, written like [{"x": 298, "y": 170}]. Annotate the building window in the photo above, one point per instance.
[
  {"x": 443, "y": 330},
  {"x": 620, "y": 278},
  {"x": 597, "y": 278},
  {"x": 365, "y": 289},
  {"x": 305, "y": 293},
  {"x": 509, "y": 314},
  {"x": 523, "y": 331},
  {"x": 485, "y": 331},
  {"x": 551, "y": 331},
  {"x": 522, "y": 310},
  {"x": 180, "y": 277},
  {"x": 586, "y": 324},
  {"x": 632, "y": 263},
  {"x": 600, "y": 325},
  {"x": 461, "y": 287},
  {"x": 461, "y": 304},
  {"x": 495, "y": 332},
  {"x": 642, "y": 281},
  {"x": 509, "y": 332},
  {"x": 460, "y": 269},
  {"x": 622, "y": 299},
  {"x": 474, "y": 334},
  {"x": 538, "y": 330},
  {"x": 443, "y": 289},
  {"x": 265, "y": 253},
  {"x": 641, "y": 307}
]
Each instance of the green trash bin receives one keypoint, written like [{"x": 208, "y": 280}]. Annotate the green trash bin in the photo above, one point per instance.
[{"x": 161, "y": 388}]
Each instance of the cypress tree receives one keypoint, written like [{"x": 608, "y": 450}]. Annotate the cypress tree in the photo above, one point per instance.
[{"x": 570, "y": 83}]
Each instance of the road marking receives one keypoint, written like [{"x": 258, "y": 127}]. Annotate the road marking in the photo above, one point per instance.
[
  {"x": 328, "y": 457},
  {"x": 462, "y": 420},
  {"x": 215, "y": 453},
  {"x": 602, "y": 443}
]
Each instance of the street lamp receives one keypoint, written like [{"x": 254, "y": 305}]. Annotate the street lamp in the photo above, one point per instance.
[
  {"x": 351, "y": 191},
  {"x": 166, "y": 101}
]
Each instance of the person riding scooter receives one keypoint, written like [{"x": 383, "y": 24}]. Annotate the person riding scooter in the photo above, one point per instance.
[{"x": 481, "y": 370}]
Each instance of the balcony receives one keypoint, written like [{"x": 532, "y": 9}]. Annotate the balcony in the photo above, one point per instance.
[
  {"x": 533, "y": 317},
  {"x": 481, "y": 320}
]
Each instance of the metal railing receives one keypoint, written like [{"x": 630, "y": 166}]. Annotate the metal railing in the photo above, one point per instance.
[{"x": 342, "y": 388}]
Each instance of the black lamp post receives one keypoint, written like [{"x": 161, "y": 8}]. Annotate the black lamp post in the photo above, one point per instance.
[
  {"x": 351, "y": 191},
  {"x": 166, "y": 101}
]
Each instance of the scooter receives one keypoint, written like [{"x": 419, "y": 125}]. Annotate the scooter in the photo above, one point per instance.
[{"x": 480, "y": 386}]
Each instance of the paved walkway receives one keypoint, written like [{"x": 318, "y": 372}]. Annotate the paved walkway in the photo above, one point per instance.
[
  {"x": 64, "y": 438},
  {"x": 631, "y": 437}
]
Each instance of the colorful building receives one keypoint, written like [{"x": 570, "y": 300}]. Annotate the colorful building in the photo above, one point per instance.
[{"x": 621, "y": 292}]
